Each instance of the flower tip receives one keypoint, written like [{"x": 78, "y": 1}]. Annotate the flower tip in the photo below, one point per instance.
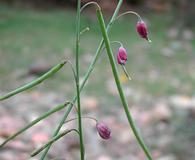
[{"x": 129, "y": 78}]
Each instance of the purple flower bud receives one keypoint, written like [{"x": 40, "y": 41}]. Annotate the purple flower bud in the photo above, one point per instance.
[
  {"x": 103, "y": 130},
  {"x": 122, "y": 56},
  {"x": 142, "y": 29}
]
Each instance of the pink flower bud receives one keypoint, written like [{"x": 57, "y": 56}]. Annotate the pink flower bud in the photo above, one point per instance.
[
  {"x": 122, "y": 56},
  {"x": 103, "y": 130},
  {"x": 142, "y": 29}
]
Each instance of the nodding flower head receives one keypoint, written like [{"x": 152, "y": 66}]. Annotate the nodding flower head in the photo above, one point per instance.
[
  {"x": 142, "y": 29},
  {"x": 122, "y": 56},
  {"x": 103, "y": 130}
]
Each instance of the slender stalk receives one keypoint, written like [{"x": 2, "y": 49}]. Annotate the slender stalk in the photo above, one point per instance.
[
  {"x": 90, "y": 3},
  {"x": 45, "y": 115},
  {"x": 85, "y": 117},
  {"x": 129, "y": 12},
  {"x": 126, "y": 73},
  {"x": 120, "y": 43},
  {"x": 90, "y": 69},
  {"x": 120, "y": 90},
  {"x": 54, "y": 139},
  {"x": 35, "y": 82},
  {"x": 82, "y": 152}
]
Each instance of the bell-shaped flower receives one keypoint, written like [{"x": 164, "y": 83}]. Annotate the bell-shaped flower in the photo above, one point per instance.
[
  {"x": 103, "y": 130},
  {"x": 122, "y": 56},
  {"x": 142, "y": 30}
]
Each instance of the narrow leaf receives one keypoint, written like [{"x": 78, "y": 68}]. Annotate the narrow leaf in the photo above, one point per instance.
[
  {"x": 35, "y": 82},
  {"x": 45, "y": 115},
  {"x": 37, "y": 151}
]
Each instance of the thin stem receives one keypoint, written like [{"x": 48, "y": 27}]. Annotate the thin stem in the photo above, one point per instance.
[
  {"x": 89, "y": 3},
  {"x": 45, "y": 115},
  {"x": 54, "y": 139},
  {"x": 86, "y": 117},
  {"x": 82, "y": 152},
  {"x": 35, "y": 82},
  {"x": 112, "y": 42},
  {"x": 129, "y": 12},
  {"x": 118, "y": 83},
  {"x": 126, "y": 73},
  {"x": 90, "y": 69},
  {"x": 117, "y": 42}
]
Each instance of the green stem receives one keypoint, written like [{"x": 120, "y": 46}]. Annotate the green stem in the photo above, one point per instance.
[
  {"x": 82, "y": 152},
  {"x": 35, "y": 82},
  {"x": 85, "y": 117},
  {"x": 56, "y": 109},
  {"x": 54, "y": 139},
  {"x": 120, "y": 90},
  {"x": 129, "y": 12},
  {"x": 90, "y": 69},
  {"x": 90, "y": 3}
]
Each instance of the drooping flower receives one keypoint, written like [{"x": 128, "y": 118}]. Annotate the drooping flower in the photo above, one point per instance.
[
  {"x": 142, "y": 30},
  {"x": 103, "y": 130},
  {"x": 122, "y": 56}
]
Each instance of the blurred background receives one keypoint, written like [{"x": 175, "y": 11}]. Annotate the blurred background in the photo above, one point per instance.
[{"x": 35, "y": 35}]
